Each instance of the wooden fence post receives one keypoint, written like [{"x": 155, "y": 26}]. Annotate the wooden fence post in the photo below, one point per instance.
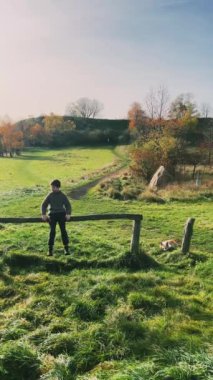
[
  {"x": 188, "y": 231},
  {"x": 134, "y": 247}
]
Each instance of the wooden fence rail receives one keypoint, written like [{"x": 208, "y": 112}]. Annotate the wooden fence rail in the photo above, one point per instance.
[{"x": 137, "y": 219}]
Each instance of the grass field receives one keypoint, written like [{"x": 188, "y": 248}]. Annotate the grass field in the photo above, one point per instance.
[
  {"x": 35, "y": 167},
  {"x": 99, "y": 314}
]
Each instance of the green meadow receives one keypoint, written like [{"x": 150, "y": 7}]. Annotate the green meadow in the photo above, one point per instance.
[
  {"x": 35, "y": 167},
  {"x": 100, "y": 313}
]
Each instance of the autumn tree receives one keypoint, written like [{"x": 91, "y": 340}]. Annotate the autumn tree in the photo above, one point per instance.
[
  {"x": 84, "y": 107},
  {"x": 168, "y": 141},
  {"x": 11, "y": 139},
  {"x": 154, "y": 145},
  {"x": 37, "y": 135},
  {"x": 58, "y": 131},
  {"x": 53, "y": 122},
  {"x": 137, "y": 120},
  {"x": 160, "y": 149}
]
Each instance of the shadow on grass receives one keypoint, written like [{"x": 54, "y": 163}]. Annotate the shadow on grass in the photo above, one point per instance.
[{"x": 33, "y": 262}]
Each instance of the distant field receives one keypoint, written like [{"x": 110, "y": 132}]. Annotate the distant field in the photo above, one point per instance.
[{"x": 36, "y": 167}]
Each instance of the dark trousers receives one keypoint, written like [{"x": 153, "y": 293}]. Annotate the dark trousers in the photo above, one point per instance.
[{"x": 61, "y": 220}]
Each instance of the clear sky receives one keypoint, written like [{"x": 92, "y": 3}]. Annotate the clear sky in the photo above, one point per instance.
[{"x": 53, "y": 52}]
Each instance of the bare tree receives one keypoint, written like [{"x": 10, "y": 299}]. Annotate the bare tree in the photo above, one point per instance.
[
  {"x": 151, "y": 104},
  {"x": 84, "y": 107},
  {"x": 205, "y": 109},
  {"x": 157, "y": 102},
  {"x": 162, "y": 101}
]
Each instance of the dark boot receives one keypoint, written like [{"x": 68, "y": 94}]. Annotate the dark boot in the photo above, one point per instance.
[
  {"x": 66, "y": 250},
  {"x": 50, "y": 251}
]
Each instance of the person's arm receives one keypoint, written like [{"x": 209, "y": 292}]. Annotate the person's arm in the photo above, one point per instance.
[
  {"x": 44, "y": 206},
  {"x": 68, "y": 207}
]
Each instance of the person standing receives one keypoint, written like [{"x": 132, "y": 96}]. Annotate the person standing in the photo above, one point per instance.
[{"x": 59, "y": 211}]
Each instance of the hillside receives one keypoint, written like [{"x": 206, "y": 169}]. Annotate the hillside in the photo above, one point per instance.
[{"x": 88, "y": 131}]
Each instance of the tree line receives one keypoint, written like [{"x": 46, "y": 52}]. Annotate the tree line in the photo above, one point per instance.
[
  {"x": 157, "y": 126},
  {"x": 54, "y": 130},
  {"x": 57, "y": 131}
]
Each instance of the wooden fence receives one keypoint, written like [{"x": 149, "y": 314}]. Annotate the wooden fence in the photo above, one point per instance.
[{"x": 137, "y": 220}]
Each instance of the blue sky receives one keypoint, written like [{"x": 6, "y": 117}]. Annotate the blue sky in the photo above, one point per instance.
[{"x": 56, "y": 51}]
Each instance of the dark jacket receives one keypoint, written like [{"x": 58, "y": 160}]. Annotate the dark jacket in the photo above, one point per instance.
[{"x": 57, "y": 202}]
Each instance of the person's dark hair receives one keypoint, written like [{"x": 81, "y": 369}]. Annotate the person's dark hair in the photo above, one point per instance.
[{"x": 56, "y": 183}]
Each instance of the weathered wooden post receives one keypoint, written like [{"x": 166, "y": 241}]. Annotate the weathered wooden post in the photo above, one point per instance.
[
  {"x": 134, "y": 247},
  {"x": 188, "y": 231}
]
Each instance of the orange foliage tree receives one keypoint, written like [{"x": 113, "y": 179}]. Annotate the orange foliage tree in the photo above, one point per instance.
[
  {"x": 137, "y": 120},
  {"x": 159, "y": 141},
  {"x": 58, "y": 130},
  {"x": 37, "y": 135},
  {"x": 11, "y": 139},
  {"x": 159, "y": 149}
]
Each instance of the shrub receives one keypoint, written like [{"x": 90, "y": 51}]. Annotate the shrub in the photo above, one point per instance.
[
  {"x": 125, "y": 188},
  {"x": 113, "y": 193},
  {"x": 150, "y": 197},
  {"x": 130, "y": 193}
]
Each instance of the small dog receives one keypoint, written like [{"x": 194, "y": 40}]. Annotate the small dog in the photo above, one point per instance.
[{"x": 168, "y": 245}]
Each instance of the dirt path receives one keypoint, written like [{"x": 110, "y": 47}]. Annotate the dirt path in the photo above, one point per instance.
[{"x": 81, "y": 191}]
